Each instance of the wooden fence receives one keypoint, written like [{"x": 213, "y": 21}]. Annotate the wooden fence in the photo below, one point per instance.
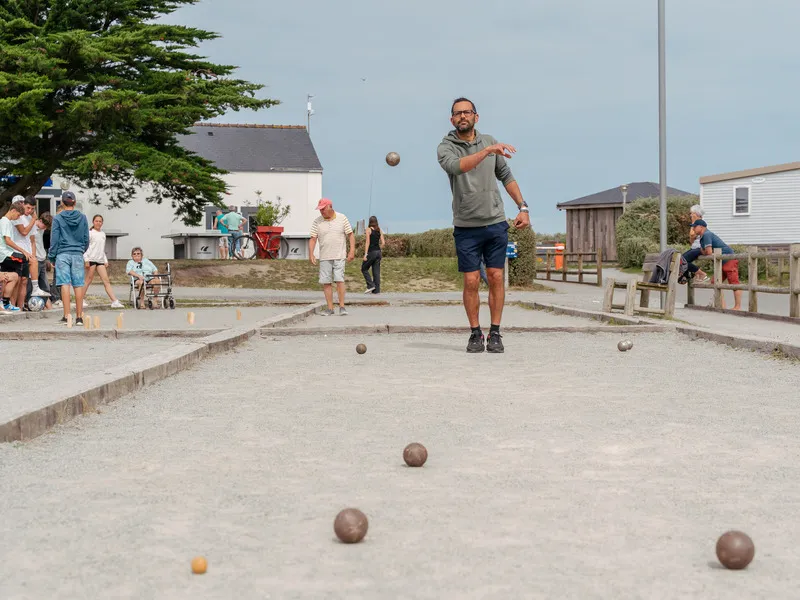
[
  {"x": 572, "y": 258},
  {"x": 752, "y": 256}
]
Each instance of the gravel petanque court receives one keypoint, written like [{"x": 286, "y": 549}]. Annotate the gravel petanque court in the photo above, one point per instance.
[{"x": 561, "y": 469}]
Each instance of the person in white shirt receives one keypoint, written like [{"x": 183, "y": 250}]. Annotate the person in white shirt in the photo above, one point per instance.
[
  {"x": 24, "y": 238},
  {"x": 42, "y": 224},
  {"x": 333, "y": 231},
  {"x": 95, "y": 259}
]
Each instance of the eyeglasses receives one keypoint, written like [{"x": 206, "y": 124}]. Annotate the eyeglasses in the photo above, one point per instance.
[{"x": 466, "y": 113}]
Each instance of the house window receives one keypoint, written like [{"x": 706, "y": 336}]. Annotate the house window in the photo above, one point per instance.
[{"x": 741, "y": 200}]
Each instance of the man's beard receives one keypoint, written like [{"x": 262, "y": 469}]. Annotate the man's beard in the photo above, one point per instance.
[{"x": 465, "y": 127}]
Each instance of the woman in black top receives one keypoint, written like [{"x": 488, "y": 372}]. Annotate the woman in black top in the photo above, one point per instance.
[{"x": 372, "y": 257}]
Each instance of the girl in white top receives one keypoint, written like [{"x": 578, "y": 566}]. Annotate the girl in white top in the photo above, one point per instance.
[{"x": 95, "y": 259}]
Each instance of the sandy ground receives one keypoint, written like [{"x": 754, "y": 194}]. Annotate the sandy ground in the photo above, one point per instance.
[
  {"x": 222, "y": 317},
  {"x": 562, "y": 469}
]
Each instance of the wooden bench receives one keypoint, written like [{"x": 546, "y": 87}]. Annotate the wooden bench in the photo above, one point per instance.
[{"x": 644, "y": 287}]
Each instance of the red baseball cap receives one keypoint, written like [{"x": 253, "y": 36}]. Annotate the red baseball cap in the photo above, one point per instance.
[{"x": 323, "y": 203}]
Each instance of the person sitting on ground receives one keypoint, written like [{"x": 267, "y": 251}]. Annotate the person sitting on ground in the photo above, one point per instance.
[
  {"x": 13, "y": 258},
  {"x": 43, "y": 223},
  {"x": 696, "y": 213},
  {"x": 141, "y": 268},
  {"x": 730, "y": 267},
  {"x": 95, "y": 260},
  {"x": 219, "y": 225},
  {"x": 68, "y": 241}
]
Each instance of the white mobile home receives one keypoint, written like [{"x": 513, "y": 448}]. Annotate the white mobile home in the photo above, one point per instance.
[{"x": 759, "y": 207}]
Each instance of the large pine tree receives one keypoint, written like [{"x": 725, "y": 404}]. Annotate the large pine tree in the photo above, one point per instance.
[{"x": 97, "y": 91}]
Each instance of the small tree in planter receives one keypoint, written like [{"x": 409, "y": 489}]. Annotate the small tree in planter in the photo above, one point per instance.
[
  {"x": 267, "y": 217},
  {"x": 270, "y": 214}
]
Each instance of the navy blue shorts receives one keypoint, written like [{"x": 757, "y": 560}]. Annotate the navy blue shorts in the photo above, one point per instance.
[{"x": 489, "y": 242}]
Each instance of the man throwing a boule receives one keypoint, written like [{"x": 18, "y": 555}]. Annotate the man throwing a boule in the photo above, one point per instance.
[{"x": 474, "y": 162}]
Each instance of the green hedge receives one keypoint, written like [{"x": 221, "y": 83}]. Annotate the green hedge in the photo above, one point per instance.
[
  {"x": 631, "y": 251},
  {"x": 522, "y": 270},
  {"x": 638, "y": 229}
]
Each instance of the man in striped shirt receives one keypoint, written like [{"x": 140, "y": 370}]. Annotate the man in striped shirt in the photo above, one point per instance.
[{"x": 332, "y": 230}]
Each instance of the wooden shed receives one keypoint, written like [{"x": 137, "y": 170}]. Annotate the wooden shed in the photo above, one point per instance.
[{"x": 592, "y": 220}]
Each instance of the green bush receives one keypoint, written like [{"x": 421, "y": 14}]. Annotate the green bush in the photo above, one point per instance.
[
  {"x": 434, "y": 242},
  {"x": 522, "y": 270},
  {"x": 396, "y": 245},
  {"x": 631, "y": 251},
  {"x": 641, "y": 222}
]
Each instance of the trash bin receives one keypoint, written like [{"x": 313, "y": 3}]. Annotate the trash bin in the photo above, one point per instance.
[{"x": 560, "y": 256}]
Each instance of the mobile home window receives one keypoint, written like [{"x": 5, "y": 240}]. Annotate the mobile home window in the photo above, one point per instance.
[{"x": 741, "y": 200}]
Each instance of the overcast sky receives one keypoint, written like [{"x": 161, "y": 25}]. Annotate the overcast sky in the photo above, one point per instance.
[{"x": 573, "y": 84}]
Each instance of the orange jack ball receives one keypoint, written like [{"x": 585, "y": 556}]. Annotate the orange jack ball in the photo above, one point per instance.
[{"x": 199, "y": 565}]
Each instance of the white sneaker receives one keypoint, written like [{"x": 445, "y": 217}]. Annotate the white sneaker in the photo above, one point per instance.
[
  {"x": 369, "y": 290},
  {"x": 117, "y": 304},
  {"x": 37, "y": 291}
]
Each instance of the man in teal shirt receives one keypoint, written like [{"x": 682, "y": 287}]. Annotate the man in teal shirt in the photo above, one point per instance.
[
  {"x": 235, "y": 223},
  {"x": 223, "y": 239}
]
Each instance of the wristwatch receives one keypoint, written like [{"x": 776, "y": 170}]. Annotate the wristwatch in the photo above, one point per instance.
[{"x": 523, "y": 207}]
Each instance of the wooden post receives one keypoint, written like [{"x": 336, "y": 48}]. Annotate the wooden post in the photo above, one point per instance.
[
  {"x": 630, "y": 298},
  {"x": 599, "y": 267},
  {"x": 580, "y": 268},
  {"x": 717, "y": 277},
  {"x": 564, "y": 266},
  {"x": 548, "y": 265},
  {"x": 608, "y": 297},
  {"x": 672, "y": 283},
  {"x": 689, "y": 292},
  {"x": 794, "y": 281},
  {"x": 752, "y": 279},
  {"x": 781, "y": 265}
]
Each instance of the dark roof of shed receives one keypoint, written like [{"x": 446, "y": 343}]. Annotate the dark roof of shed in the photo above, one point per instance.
[
  {"x": 636, "y": 190},
  {"x": 256, "y": 148}
]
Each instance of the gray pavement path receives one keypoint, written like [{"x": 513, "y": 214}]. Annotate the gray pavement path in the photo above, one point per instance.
[
  {"x": 44, "y": 366},
  {"x": 222, "y": 317},
  {"x": 575, "y": 472},
  {"x": 453, "y": 316}
]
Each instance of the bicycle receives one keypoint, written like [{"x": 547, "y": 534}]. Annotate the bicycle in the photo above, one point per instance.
[{"x": 264, "y": 245}]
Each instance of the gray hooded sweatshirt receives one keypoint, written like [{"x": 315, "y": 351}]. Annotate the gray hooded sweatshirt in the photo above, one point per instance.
[{"x": 476, "y": 198}]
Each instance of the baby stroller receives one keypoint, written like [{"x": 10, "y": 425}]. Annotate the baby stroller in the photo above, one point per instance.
[{"x": 149, "y": 295}]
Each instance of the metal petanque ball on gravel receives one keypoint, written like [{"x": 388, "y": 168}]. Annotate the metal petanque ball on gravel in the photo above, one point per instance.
[
  {"x": 350, "y": 525},
  {"x": 624, "y": 345},
  {"x": 415, "y": 455},
  {"x": 735, "y": 550},
  {"x": 361, "y": 348},
  {"x": 393, "y": 159}
]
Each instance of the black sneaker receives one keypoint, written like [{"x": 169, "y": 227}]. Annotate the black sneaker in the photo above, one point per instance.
[
  {"x": 63, "y": 320},
  {"x": 494, "y": 343},
  {"x": 475, "y": 343},
  {"x": 78, "y": 321}
]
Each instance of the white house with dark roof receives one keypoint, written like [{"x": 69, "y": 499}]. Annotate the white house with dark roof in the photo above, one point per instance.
[
  {"x": 759, "y": 207},
  {"x": 277, "y": 160}
]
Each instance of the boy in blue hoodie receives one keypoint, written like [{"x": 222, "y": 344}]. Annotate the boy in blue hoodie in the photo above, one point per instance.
[{"x": 69, "y": 239}]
